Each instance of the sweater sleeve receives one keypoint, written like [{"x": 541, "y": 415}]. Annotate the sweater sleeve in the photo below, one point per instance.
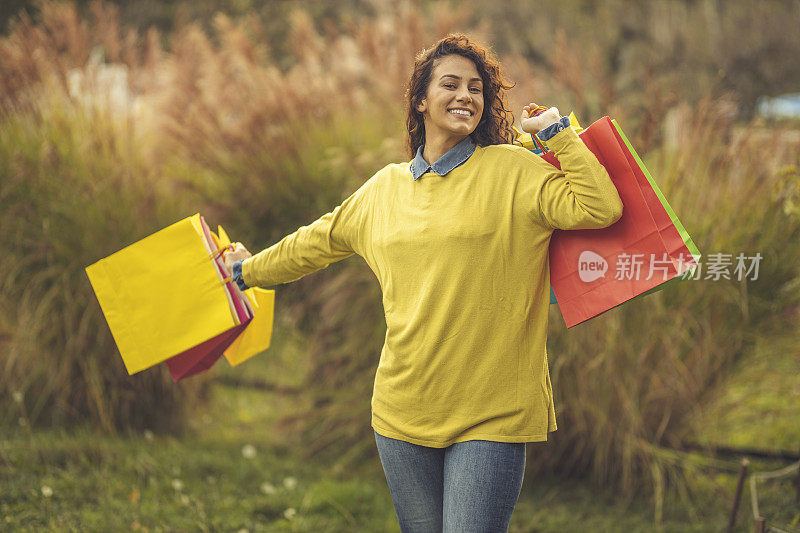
[
  {"x": 579, "y": 196},
  {"x": 332, "y": 237}
]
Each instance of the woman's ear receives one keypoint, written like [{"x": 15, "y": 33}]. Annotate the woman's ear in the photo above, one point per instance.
[{"x": 422, "y": 106}]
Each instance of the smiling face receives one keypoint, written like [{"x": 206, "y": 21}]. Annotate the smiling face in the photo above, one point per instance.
[{"x": 453, "y": 105}]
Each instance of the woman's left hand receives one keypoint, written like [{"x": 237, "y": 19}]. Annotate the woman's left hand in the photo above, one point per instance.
[{"x": 535, "y": 124}]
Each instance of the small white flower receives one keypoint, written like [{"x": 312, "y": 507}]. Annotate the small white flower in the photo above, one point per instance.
[
  {"x": 248, "y": 451},
  {"x": 290, "y": 483},
  {"x": 17, "y": 395},
  {"x": 47, "y": 491},
  {"x": 148, "y": 435},
  {"x": 184, "y": 499},
  {"x": 290, "y": 512},
  {"x": 177, "y": 484},
  {"x": 268, "y": 488}
]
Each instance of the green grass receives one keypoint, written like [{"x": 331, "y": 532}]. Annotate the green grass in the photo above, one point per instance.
[
  {"x": 234, "y": 470},
  {"x": 214, "y": 482},
  {"x": 209, "y": 480},
  {"x": 760, "y": 405},
  {"x": 164, "y": 484}
]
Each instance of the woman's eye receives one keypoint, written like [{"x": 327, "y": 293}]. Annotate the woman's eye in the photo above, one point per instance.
[
  {"x": 475, "y": 89},
  {"x": 451, "y": 85}
]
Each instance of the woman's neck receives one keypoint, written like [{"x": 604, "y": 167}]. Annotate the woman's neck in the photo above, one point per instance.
[{"x": 436, "y": 146}]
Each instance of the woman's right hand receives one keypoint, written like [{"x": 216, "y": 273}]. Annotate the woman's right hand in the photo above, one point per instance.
[{"x": 238, "y": 253}]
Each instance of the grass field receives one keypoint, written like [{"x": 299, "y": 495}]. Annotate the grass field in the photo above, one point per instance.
[
  {"x": 233, "y": 471},
  {"x": 760, "y": 406}
]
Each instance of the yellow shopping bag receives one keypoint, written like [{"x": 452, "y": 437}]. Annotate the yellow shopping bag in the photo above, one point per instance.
[
  {"x": 256, "y": 338},
  {"x": 169, "y": 298}
]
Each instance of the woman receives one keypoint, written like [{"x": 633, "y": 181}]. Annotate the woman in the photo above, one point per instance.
[{"x": 458, "y": 239}]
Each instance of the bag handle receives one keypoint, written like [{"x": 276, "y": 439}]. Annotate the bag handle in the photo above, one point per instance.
[
  {"x": 538, "y": 110},
  {"x": 539, "y": 144},
  {"x": 221, "y": 251}
]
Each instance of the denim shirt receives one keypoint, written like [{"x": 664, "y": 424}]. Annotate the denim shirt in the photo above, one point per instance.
[{"x": 454, "y": 157}]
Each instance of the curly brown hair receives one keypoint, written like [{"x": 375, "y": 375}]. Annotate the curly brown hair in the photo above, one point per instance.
[{"x": 495, "y": 124}]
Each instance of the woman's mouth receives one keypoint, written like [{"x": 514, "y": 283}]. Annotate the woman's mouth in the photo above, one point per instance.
[{"x": 460, "y": 113}]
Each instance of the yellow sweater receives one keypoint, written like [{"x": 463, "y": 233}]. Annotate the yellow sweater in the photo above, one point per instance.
[{"x": 462, "y": 260}]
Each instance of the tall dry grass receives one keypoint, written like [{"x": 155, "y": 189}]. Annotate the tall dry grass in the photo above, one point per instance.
[
  {"x": 106, "y": 136},
  {"x": 74, "y": 188},
  {"x": 72, "y": 191}
]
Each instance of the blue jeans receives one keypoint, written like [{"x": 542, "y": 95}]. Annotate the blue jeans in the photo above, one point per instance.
[{"x": 467, "y": 487}]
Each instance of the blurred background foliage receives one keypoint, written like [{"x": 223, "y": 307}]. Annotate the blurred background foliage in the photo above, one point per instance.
[{"x": 117, "y": 119}]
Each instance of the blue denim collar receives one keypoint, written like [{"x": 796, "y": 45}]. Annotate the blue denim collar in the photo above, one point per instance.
[{"x": 455, "y": 156}]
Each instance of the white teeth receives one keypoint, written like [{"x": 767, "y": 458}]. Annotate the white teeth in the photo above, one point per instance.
[{"x": 461, "y": 112}]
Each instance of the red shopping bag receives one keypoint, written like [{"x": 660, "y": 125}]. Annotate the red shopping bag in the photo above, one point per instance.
[
  {"x": 203, "y": 356},
  {"x": 592, "y": 271},
  {"x": 677, "y": 241}
]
